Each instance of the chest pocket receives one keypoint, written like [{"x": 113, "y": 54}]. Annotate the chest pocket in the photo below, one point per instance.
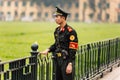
[{"x": 62, "y": 38}]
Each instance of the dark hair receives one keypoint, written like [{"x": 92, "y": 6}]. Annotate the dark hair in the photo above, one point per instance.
[{"x": 64, "y": 17}]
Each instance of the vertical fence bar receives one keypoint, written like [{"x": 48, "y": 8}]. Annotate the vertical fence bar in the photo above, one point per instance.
[
  {"x": 117, "y": 47},
  {"x": 93, "y": 60},
  {"x": 40, "y": 69},
  {"x": 76, "y": 65},
  {"x": 99, "y": 54},
  {"x": 54, "y": 69},
  {"x": 104, "y": 53},
  {"x": 118, "y": 51},
  {"x": 51, "y": 68},
  {"x": 47, "y": 69},
  {"x": 108, "y": 54},
  {"x": 95, "y": 57},
  {"x": 88, "y": 61},
  {"x": 81, "y": 63},
  {"x": 85, "y": 59},
  {"x": 6, "y": 75}
]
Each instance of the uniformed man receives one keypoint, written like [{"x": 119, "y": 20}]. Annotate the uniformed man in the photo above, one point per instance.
[{"x": 64, "y": 47}]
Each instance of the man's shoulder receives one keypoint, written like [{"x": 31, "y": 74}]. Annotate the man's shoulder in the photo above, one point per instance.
[
  {"x": 70, "y": 29},
  {"x": 57, "y": 27}
]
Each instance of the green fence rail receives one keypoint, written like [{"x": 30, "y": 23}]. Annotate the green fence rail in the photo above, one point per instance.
[{"x": 91, "y": 60}]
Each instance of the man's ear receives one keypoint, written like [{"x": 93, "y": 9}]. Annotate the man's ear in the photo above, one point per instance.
[{"x": 63, "y": 17}]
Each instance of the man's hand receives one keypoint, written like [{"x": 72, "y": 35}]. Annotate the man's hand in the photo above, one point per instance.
[
  {"x": 69, "y": 68},
  {"x": 45, "y": 52}
]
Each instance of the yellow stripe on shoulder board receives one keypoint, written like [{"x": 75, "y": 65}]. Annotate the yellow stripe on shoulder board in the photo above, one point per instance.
[{"x": 72, "y": 37}]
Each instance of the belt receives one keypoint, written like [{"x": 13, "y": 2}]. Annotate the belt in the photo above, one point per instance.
[{"x": 59, "y": 54}]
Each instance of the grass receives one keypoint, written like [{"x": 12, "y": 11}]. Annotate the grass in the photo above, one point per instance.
[{"x": 16, "y": 38}]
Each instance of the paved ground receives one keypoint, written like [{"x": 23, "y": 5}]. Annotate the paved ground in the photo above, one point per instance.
[{"x": 114, "y": 75}]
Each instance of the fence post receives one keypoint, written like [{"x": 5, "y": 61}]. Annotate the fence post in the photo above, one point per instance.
[
  {"x": 34, "y": 48},
  {"x": 34, "y": 53}
]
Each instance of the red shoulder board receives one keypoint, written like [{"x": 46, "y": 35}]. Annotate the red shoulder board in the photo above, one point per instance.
[{"x": 69, "y": 29}]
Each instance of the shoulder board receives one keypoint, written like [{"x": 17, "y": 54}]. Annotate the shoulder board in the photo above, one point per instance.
[{"x": 69, "y": 29}]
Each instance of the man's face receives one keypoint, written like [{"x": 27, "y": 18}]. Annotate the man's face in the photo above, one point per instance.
[{"x": 59, "y": 19}]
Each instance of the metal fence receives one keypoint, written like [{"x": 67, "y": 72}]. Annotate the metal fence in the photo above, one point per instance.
[
  {"x": 91, "y": 60},
  {"x": 20, "y": 69}
]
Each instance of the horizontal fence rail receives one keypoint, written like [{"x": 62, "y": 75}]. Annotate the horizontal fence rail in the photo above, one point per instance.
[{"x": 91, "y": 60}]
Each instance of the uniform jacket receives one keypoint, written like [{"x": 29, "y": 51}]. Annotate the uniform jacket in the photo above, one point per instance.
[{"x": 65, "y": 39}]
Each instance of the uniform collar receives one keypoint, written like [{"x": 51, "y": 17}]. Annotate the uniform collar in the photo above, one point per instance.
[{"x": 63, "y": 28}]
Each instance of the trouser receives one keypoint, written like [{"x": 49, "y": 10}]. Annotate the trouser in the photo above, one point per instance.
[{"x": 60, "y": 69}]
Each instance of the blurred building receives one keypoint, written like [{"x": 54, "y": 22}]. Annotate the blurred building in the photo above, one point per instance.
[
  {"x": 99, "y": 10},
  {"x": 83, "y": 10},
  {"x": 26, "y": 10}
]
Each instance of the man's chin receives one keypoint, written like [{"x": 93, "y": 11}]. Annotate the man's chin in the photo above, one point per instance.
[{"x": 57, "y": 23}]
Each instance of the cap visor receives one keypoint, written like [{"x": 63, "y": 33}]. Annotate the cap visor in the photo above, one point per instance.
[{"x": 56, "y": 13}]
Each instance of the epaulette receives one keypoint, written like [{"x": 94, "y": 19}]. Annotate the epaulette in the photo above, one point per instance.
[{"x": 69, "y": 29}]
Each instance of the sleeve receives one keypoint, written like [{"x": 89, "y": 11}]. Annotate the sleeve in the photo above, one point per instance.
[
  {"x": 73, "y": 45},
  {"x": 52, "y": 48}
]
